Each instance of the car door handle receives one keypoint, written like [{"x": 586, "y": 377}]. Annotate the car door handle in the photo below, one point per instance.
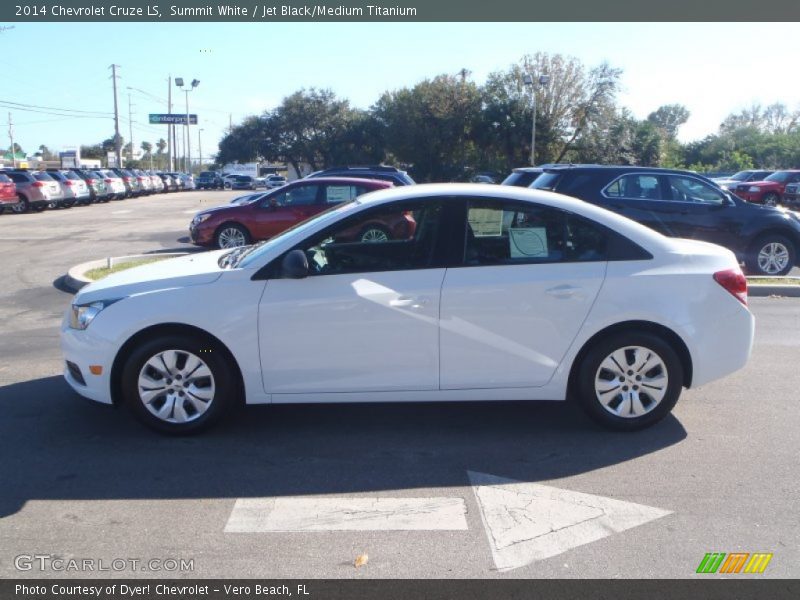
[
  {"x": 408, "y": 302},
  {"x": 564, "y": 291}
]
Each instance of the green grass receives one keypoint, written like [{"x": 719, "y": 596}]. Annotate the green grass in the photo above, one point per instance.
[
  {"x": 99, "y": 273},
  {"x": 774, "y": 281}
]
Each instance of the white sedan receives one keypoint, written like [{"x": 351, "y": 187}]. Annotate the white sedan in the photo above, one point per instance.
[{"x": 476, "y": 293}]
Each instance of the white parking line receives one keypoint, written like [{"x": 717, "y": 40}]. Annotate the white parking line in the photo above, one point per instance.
[
  {"x": 261, "y": 515},
  {"x": 121, "y": 212},
  {"x": 191, "y": 211}
]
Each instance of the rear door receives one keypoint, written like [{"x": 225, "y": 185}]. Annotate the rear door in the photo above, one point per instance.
[{"x": 529, "y": 276}]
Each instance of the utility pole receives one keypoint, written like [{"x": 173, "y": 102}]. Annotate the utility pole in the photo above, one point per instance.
[
  {"x": 188, "y": 168},
  {"x": 169, "y": 125},
  {"x": 11, "y": 136},
  {"x": 200, "y": 147},
  {"x": 117, "y": 144},
  {"x": 130, "y": 124}
]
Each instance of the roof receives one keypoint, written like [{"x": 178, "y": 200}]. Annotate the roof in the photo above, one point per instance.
[{"x": 378, "y": 183}]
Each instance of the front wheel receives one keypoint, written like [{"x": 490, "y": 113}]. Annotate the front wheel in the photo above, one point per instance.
[
  {"x": 629, "y": 381},
  {"x": 771, "y": 199},
  {"x": 232, "y": 236},
  {"x": 771, "y": 255},
  {"x": 178, "y": 384}
]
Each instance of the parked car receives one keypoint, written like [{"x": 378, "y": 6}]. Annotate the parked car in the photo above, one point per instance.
[
  {"x": 98, "y": 191},
  {"x": 183, "y": 181},
  {"x": 230, "y": 226},
  {"x": 227, "y": 178},
  {"x": 209, "y": 180},
  {"x": 523, "y": 176},
  {"x": 730, "y": 183},
  {"x": 171, "y": 184},
  {"x": 8, "y": 192},
  {"x": 143, "y": 179},
  {"x": 73, "y": 187},
  {"x": 275, "y": 181},
  {"x": 156, "y": 182},
  {"x": 770, "y": 191},
  {"x": 505, "y": 294},
  {"x": 132, "y": 187},
  {"x": 380, "y": 172},
  {"x": 35, "y": 190},
  {"x": 116, "y": 187},
  {"x": 687, "y": 205},
  {"x": 241, "y": 182}
]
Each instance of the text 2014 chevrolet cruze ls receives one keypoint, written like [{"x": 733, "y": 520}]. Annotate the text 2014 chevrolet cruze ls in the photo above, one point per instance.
[{"x": 498, "y": 293}]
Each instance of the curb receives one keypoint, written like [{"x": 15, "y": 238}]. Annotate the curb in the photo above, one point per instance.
[
  {"x": 75, "y": 279},
  {"x": 756, "y": 289}
]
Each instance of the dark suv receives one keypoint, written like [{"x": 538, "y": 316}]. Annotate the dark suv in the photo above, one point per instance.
[
  {"x": 209, "y": 180},
  {"x": 381, "y": 172},
  {"x": 684, "y": 204}
]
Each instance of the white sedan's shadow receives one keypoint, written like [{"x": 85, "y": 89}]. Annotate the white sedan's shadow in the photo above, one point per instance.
[{"x": 56, "y": 445}]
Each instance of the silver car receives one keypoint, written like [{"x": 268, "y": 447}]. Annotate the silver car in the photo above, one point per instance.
[
  {"x": 74, "y": 188},
  {"x": 36, "y": 190}
]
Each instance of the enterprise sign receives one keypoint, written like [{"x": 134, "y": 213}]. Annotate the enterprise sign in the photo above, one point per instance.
[{"x": 170, "y": 119}]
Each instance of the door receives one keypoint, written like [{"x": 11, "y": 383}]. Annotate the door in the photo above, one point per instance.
[
  {"x": 281, "y": 210},
  {"x": 529, "y": 278},
  {"x": 703, "y": 212},
  {"x": 366, "y": 319}
]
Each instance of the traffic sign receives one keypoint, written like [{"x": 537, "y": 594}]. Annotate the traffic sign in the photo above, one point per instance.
[{"x": 171, "y": 119}]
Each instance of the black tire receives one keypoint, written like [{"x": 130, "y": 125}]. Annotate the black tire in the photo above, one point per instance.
[
  {"x": 225, "y": 388},
  {"x": 23, "y": 206},
  {"x": 762, "y": 243},
  {"x": 590, "y": 369},
  {"x": 68, "y": 204},
  {"x": 226, "y": 227},
  {"x": 371, "y": 230},
  {"x": 772, "y": 199}
]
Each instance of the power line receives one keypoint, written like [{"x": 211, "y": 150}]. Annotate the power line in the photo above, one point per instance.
[{"x": 68, "y": 110}]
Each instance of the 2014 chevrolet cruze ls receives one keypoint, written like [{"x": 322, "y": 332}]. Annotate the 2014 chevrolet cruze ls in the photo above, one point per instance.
[{"x": 497, "y": 293}]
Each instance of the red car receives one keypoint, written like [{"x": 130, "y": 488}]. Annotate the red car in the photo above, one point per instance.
[
  {"x": 268, "y": 214},
  {"x": 769, "y": 191},
  {"x": 8, "y": 192}
]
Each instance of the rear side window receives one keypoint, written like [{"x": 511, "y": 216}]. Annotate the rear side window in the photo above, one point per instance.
[
  {"x": 4, "y": 178},
  {"x": 639, "y": 187},
  {"x": 19, "y": 177},
  {"x": 521, "y": 178},
  {"x": 688, "y": 189},
  {"x": 547, "y": 181}
]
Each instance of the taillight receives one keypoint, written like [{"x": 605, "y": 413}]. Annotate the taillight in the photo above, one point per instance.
[
  {"x": 108, "y": 180},
  {"x": 38, "y": 184},
  {"x": 126, "y": 179},
  {"x": 734, "y": 281},
  {"x": 90, "y": 181},
  {"x": 68, "y": 182}
]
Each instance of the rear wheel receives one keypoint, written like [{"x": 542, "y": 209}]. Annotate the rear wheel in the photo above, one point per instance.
[
  {"x": 232, "y": 235},
  {"x": 374, "y": 233},
  {"x": 178, "y": 384},
  {"x": 629, "y": 380},
  {"x": 22, "y": 206},
  {"x": 771, "y": 255}
]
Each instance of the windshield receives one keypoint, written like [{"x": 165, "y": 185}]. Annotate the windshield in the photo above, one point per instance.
[
  {"x": 741, "y": 175},
  {"x": 251, "y": 254},
  {"x": 780, "y": 176}
]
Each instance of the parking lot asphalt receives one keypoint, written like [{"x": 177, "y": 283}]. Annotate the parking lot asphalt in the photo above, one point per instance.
[{"x": 79, "y": 480}]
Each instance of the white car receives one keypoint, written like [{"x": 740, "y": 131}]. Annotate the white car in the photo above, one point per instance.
[
  {"x": 275, "y": 181},
  {"x": 476, "y": 293}
]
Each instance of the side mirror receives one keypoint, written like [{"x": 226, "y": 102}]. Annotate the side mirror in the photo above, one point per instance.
[{"x": 295, "y": 265}]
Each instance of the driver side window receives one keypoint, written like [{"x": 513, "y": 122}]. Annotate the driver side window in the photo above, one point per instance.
[
  {"x": 386, "y": 238},
  {"x": 687, "y": 189}
]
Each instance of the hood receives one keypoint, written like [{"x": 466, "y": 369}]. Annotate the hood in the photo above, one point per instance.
[
  {"x": 221, "y": 209},
  {"x": 196, "y": 269}
]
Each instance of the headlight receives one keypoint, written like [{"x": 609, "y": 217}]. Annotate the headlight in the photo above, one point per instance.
[
  {"x": 200, "y": 218},
  {"x": 753, "y": 188},
  {"x": 83, "y": 314}
]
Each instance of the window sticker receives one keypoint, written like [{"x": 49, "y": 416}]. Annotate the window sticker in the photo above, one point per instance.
[
  {"x": 528, "y": 242},
  {"x": 486, "y": 222}
]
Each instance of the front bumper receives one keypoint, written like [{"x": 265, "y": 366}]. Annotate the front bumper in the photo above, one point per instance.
[
  {"x": 82, "y": 350},
  {"x": 201, "y": 236}
]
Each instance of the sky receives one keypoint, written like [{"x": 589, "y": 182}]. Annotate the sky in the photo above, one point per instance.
[{"x": 245, "y": 68}]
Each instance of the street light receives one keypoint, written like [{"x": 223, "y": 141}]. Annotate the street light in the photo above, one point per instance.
[
  {"x": 543, "y": 80},
  {"x": 187, "y": 89}
]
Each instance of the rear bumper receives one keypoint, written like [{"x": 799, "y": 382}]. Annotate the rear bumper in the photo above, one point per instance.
[{"x": 725, "y": 344}]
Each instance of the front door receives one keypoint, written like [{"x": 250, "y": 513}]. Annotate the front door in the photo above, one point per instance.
[{"x": 366, "y": 319}]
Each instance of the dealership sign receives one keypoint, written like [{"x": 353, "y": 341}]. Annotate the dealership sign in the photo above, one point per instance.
[{"x": 170, "y": 119}]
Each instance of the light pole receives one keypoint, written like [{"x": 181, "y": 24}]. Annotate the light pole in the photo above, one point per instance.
[
  {"x": 200, "y": 146},
  {"x": 543, "y": 80},
  {"x": 187, "y": 89}
]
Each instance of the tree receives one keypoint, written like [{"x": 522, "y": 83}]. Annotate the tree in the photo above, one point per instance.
[
  {"x": 147, "y": 149},
  {"x": 45, "y": 153},
  {"x": 430, "y": 126},
  {"x": 668, "y": 119}
]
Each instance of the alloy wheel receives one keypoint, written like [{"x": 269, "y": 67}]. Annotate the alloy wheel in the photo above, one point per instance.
[
  {"x": 231, "y": 237},
  {"x": 374, "y": 235},
  {"x": 773, "y": 258},
  {"x": 631, "y": 381},
  {"x": 176, "y": 386}
]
